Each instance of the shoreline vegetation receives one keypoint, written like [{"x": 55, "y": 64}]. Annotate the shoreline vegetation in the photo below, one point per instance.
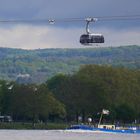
[
  {"x": 31, "y": 126},
  {"x": 70, "y": 97},
  {"x": 73, "y": 98}
]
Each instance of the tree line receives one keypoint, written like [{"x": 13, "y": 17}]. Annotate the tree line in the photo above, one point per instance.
[{"x": 85, "y": 94}]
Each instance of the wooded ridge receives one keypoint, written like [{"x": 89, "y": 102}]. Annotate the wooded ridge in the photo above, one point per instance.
[{"x": 37, "y": 66}]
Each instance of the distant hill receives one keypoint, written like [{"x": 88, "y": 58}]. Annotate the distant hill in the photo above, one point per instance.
[{"x": 37, "y": 66}]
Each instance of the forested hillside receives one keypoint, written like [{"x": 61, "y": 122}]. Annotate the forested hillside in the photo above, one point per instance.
[{"x": 37, "y": 66}]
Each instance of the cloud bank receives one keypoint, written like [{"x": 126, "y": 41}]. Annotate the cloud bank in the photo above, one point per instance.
[{"x": 35, "y": 37}]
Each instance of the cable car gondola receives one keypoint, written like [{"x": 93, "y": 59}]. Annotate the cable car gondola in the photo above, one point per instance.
[{"x": 90, "y": 38}]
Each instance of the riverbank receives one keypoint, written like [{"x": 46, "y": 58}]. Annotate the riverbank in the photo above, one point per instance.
[{"x": 22, "y": 125}]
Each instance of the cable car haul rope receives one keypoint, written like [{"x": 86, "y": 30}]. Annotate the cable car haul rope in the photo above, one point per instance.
[{"x": 100, "y": 18}]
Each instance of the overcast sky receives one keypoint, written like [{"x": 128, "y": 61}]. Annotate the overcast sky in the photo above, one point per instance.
[{"x": 33, "y": 36}]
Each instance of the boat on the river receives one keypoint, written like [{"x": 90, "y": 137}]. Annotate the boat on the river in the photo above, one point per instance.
[{"x": 104, "y": 129}]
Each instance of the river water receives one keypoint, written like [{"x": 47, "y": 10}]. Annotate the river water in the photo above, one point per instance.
[{"x": 62, "y": 135}]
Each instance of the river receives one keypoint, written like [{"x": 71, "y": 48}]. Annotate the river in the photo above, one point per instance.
[{"x": 62, "y": 135}]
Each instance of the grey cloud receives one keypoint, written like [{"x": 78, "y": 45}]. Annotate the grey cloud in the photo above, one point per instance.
[
  {"x": 31, "y": 37},
  {"x": 67, "y": 8},
  {"x": 82, "y": 8}
]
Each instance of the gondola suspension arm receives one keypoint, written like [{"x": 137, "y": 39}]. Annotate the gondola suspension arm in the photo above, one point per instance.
[{"x": 88, "y": 20}]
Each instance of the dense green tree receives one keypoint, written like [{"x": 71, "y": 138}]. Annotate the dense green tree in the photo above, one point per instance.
[
  {"x": 96, "y": 87},
  {"x": 31, "y": 102},
  {"x": 85, "y": 93},
  {"x": 125, "y": 113}
]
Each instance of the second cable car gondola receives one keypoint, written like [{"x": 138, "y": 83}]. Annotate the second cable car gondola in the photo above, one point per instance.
[{"x": 90, "y": 38}]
